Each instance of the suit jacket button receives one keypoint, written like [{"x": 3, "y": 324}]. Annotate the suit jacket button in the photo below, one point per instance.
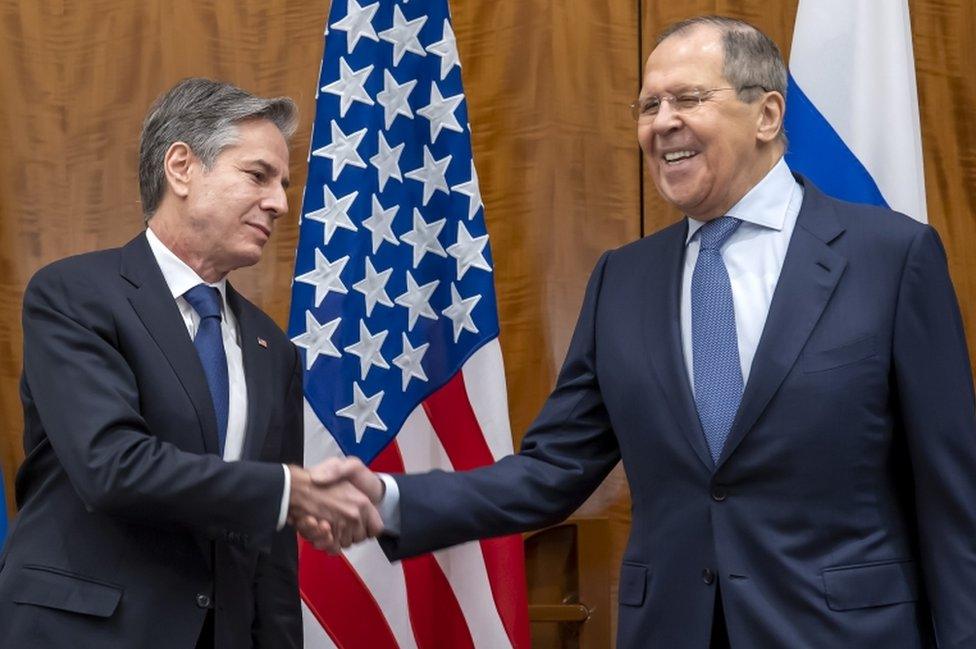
[
  {"x": 203, "y": 601},
  {"x": 719, "y": 494},
  {"x": 708, "y": 576}
]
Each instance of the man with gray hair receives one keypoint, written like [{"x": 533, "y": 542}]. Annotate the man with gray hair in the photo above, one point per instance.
[
  {"x": 163, "y": 411},
  {"x": 785, "y": 377}
]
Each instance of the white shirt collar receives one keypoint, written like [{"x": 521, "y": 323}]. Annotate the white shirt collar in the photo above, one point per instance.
[
  {"x": 179, "y": 277},
  {"x": 765, "y": 205}
]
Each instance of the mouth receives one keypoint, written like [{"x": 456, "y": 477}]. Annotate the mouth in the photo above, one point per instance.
[
  {"x": 262, "y": 229},
  {"x": 673, "y": 158}
]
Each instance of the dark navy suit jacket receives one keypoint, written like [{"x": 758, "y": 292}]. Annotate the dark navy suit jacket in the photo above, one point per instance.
[
  {"x": 842, "y": 512},
  {"x": 130, "y": 526}
]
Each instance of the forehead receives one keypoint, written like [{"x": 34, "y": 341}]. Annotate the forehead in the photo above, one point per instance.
[
  {"x": 259, "y": 138},
  {"x": 690, "y": 59}
]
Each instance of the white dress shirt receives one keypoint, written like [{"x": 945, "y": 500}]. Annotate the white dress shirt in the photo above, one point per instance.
[
  {"x": 180, "y": 278},
  {"x": 753, "y": 255}
]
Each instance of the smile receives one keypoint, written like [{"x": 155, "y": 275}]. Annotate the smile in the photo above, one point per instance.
[
  {"x": 261, "y": 228},
  {"x": 677, "y": 156}
]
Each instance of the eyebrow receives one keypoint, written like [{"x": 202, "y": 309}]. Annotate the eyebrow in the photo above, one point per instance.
[{"x": 271, "y": 170}]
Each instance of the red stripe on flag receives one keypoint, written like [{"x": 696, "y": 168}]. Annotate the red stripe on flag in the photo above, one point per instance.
[
  {"x": 435, "y": 614},
  {"x": 457, "y": 427},
  {"x": 341, "y": 602}
]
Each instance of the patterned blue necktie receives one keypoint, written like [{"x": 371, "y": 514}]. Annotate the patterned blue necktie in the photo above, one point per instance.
[
  {"x": 209, "y": 342},
  {"x": 714, "y": 344}
]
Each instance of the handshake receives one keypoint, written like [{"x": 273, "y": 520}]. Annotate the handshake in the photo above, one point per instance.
[{"x": 333, "y": 504}]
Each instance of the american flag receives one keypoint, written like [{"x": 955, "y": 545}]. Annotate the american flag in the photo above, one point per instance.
[{"x": 393, "y": 305}]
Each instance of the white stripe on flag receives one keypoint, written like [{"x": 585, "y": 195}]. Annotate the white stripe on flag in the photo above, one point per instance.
[
  {"x": 853, "y": 59},
  {"x": 484, "y": 380},
  {"x": 388, "y": 586},
  {"x": 463, "y": 565},
  {"x": 319, "y": 442}
]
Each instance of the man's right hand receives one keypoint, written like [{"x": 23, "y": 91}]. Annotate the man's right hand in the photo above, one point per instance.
[{"x": 329, "y": 508}]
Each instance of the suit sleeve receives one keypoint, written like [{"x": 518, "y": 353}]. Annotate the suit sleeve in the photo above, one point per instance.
[
  {"x": 88, "y": 401},
  {"x": 278, "y": 614},
  {"x": 565, "y": 455},
  {"x": 935, "y": 394}
]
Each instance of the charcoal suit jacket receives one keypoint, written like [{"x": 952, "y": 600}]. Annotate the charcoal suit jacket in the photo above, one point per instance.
[
  {"x": 842, "y": 511},
  {"x": 130, "y": 526}
]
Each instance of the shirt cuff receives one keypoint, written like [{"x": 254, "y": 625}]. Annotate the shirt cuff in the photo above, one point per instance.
[
  {"x": 285, "y": 498},
  {"x": 389, "y": 505}
]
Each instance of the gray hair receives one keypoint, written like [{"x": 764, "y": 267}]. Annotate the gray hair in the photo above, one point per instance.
[
  {"x": 204, "y": 115},
  {"x": 753, "y": 63}
]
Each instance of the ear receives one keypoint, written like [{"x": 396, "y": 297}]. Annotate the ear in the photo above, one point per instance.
[
  {"x": 771, "y": 111},
  {"x": 178, "y": 164}
]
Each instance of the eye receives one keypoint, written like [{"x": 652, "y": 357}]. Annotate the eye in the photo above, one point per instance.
[
  {"x": 258, "y": 176},
  {"x": 650, "y": 106},
  {"x": 686, "y": 101}
]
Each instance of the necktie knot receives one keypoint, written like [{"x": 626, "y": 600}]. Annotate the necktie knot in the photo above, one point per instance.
[
  {"x": 715, "y": 233},
  {"x": 205, "y": 300}
]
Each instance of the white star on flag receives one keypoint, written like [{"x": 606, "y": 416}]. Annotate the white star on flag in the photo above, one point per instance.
[
  {"x": 460, "y": 312},
  {"x": 373, "y": 287},
  {"x": 394, "y": 98},
  {"x": 417, "y": 300},
  {"x": 335, "y": 213},
  {"x": 472, "y": 190},
  {"x": 350, "y": 86},
  {"x": 386, "y": 161},
  {"x": 363, "y": 412},
  {"x": 432, "y": 174},
  {"x": 469, "y": 251},
  {"x": 325, "y": 276},
  {"x": 446, "y": 48},
  {"x": 342, "y": 149},
  {"x": 409, "y": 362},
  {"x": 423, "y": 237},
  {"x": 380, "y": 224},
  {"x": 440, "y": 112},
  {"x": 317, "y": 339},
  {"x": 367, "y": 348},
  {"x": 357, "y": 23},
  {"x": 403, "y": 35}
]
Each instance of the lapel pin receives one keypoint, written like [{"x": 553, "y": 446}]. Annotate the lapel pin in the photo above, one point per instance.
[{"x": 263, "y": 342}]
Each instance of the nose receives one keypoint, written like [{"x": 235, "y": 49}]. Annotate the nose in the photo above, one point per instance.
[
  {"x": 276, "y": 201},
  {"x": 666, "y": 119}
]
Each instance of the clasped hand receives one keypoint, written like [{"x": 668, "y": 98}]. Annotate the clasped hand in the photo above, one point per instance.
[{"x": 333, "y": 504}]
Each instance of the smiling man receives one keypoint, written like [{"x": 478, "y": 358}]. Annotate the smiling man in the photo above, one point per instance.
[
  {"x": 785, "y": 377},
  {"x": 163, "y": 411}
]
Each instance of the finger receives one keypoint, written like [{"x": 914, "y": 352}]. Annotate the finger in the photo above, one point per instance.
[
  {"x": 327, "y": 472},
  {"x": 373, "y": 522}
]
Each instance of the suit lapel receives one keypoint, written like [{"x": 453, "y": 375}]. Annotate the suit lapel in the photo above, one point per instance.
[
  {"x": 810, "y": 273},
  {"x": 257, "y": 374},
  {"x": 662, "y": 325},
  {"x": 158, "y": 312}
]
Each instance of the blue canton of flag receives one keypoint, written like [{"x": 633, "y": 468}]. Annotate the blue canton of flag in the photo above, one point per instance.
[{"x": 393, "y": 285}]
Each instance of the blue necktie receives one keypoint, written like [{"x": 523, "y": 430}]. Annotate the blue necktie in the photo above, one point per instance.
[
  {"x": 209, "y": 342},
  {"x": 715, "y": 348}
]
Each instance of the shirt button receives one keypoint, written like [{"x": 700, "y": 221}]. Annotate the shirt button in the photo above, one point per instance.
[
  {"x": 708, "y": 576},
  {"x": 719, "y": 494},
  {"x": 203, "y": 601}
]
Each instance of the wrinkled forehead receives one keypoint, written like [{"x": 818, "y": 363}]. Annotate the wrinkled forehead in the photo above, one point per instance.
[{"x": 691, "y": 59}]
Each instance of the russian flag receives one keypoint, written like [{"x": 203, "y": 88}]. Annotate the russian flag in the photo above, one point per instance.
[{"x": 852, "y": 104}]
